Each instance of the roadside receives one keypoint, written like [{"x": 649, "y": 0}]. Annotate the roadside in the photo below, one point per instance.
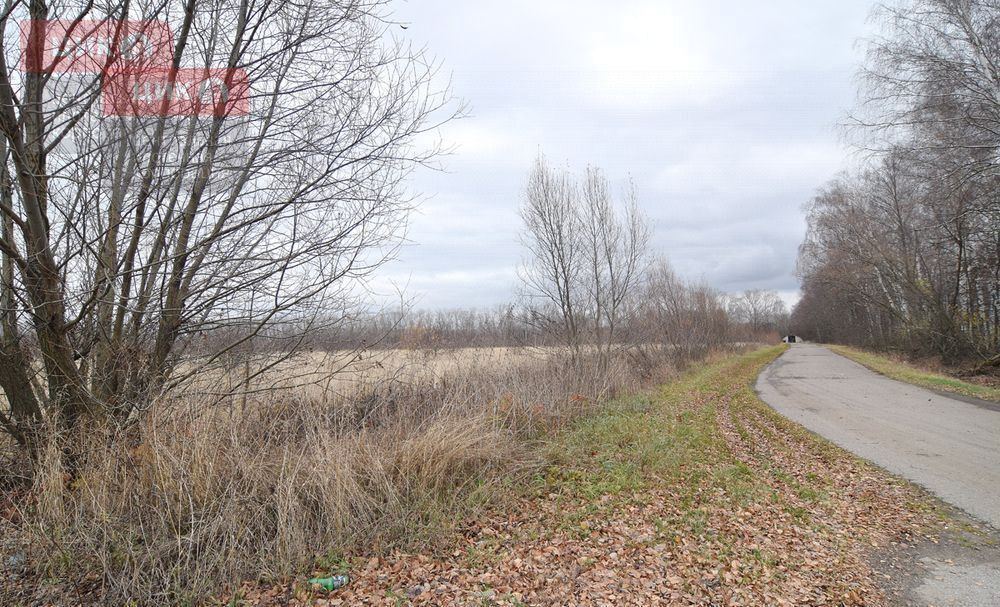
[
  {"x": 946, "y": 443},
  {"x": 958, "y": 566},
  {"x": 949, "y": 444},
  {"x": 697, "y": 493},
  {"x": 905, "y": 372}
]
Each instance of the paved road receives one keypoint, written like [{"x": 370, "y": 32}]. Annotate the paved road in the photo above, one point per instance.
[{"x": 950, "y": 446}]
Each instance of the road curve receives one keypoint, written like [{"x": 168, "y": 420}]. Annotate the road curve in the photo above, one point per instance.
[{"x": 951, "y": 446}]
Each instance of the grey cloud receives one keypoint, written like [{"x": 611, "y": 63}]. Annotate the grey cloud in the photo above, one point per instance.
[{"x": 724, "y": 114}]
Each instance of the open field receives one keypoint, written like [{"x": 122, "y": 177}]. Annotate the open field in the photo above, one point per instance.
[
  {"x": 209, "y": 488},
  {"x": 693, "y": 493},
  {"x": 899, "y": 369},
  {"x": 318, "y": 374}
]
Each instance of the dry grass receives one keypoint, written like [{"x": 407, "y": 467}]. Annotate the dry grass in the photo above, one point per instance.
[
  {"x": 694, "y": 493},
  {"x": 343, "y": 373},
  {"x": 199, "y": 496}
]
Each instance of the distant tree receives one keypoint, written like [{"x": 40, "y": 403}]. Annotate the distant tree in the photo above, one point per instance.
[
  {"x": 586, "y": 257},
  {"x": 759, "y": 309}
]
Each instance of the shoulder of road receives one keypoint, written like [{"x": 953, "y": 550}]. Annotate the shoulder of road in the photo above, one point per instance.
[{"x": 946, "y": 385}]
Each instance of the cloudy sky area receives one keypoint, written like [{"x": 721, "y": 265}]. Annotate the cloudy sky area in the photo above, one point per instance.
[{"x": 724, "y": 113}]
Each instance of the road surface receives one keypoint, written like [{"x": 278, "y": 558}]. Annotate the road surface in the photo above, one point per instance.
[{"x": 949, "y": 445}]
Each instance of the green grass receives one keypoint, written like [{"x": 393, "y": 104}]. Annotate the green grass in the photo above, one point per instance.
[
  {"x": 668, "y": 439},
  {"x": 918, "y": 377},
  {"x": 699, "y": 471}
]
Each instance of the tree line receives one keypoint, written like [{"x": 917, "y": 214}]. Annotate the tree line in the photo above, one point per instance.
[
  {"x": 904, "y": 251},
  {"x": 590, "y": 282}
]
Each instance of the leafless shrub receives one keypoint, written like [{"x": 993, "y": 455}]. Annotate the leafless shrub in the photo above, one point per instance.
[{"x": 682, "y": 321}]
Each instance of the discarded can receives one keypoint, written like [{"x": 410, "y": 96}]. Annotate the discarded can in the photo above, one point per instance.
[{"x": 331, "y": 583}]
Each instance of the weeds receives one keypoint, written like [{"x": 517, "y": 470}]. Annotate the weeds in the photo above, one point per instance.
[{"x": 202, "y": 497}]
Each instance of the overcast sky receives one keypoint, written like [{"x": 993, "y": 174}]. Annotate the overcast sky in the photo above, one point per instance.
[{"x": 724, "y": 113}]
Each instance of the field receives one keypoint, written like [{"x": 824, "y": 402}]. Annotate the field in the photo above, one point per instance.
[
  {"x": 324, "y": 375},
  {"x": 686, "y": 493},
  {"x": 208, "y": 488},
  {"x": 691, "y": 493}
]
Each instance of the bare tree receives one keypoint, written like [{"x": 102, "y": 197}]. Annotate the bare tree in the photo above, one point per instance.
[
  {"x": 906, "y": 251},
  {"x": 586, "y": 257},
  {"x": 759, "y": 309},
  {"x": 932, "y": 83},
  {"x": 890, "y": 259},
  {"x": 615, "y": 249},
  {"x": 553, "y": 239},
  {"x": 125, "y": 238}
]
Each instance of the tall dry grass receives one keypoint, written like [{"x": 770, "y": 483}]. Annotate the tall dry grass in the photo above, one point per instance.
[{"x": 199, "y": 496}]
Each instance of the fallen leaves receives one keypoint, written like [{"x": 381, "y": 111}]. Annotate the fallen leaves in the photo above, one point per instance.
[{"x": 766, "y": 514}]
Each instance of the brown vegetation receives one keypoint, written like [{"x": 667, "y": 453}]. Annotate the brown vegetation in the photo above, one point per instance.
[
  {"x": 694, "y": 494},
  {"x": 194, "y": 392},
  {"x": 259, "y": 461},
  {"x": 905, "y": 253},
  {"x": 198, "y": 496}
]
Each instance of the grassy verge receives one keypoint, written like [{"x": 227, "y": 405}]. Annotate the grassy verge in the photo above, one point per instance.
[
  {"x": 696, "y": 493},
  {"x": 920, "y": 377}
]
